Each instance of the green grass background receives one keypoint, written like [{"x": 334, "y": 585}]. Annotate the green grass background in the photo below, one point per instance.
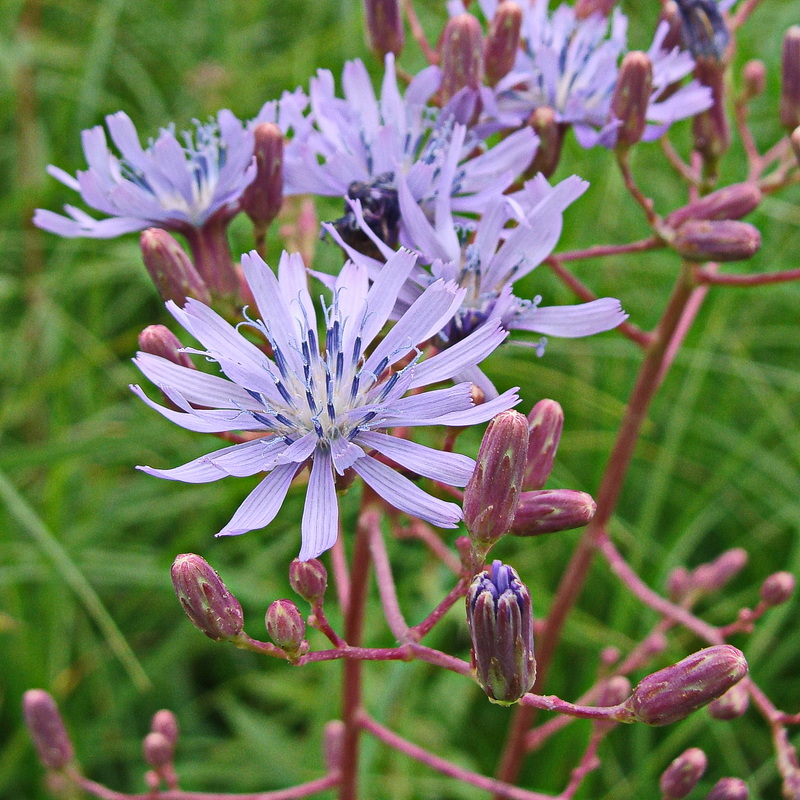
[{"x": 87, "y": 609}]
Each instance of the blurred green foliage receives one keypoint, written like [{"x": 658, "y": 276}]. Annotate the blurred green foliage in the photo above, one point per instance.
[{"x": 86, "y": 605}]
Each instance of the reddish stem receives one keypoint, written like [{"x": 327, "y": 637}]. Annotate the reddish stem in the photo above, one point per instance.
[
  {"x": 640, "y": 246},
  {"x": 385, "y": 580},
  {"x": 453, "y": 596},
  {"x": 709, "y": 277},
  {"x": 418, "y": 33}
]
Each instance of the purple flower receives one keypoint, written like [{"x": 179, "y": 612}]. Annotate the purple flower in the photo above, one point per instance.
[
  {"x": 328, "y": 405},
  {"x": 512, "y": 238},
  {"x": 174, "y": 185},
  {"x": 571, "y": 65}
]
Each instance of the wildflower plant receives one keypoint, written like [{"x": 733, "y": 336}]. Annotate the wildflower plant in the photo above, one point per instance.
[{"x": 358, "y": 393}]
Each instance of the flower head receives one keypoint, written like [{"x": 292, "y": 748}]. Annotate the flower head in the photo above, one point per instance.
[
  {"x": 171, "y": 184},
  {"x": 326, "y": 405}
]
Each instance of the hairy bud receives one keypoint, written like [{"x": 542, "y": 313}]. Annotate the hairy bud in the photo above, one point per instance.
[
  {"x": 731, "y": 202},
  {"x": 47, "y": 729},
  {"x": 716, "y": 574},
  {"x": 754, "y": 79},
  {"x": 790, "y": 79},
  {"x": 708, "y": 240},
  {"x": 206, "y": 600},
  {"x": 502, "y": 42},
  {"x": 309, "y": 579},
  {"x": 683, "y": 774},
  {"x": 170, "y": 269},
  {"x": 285, "y": 625},
  {"x": 501, "y": 628},
  {"x": 551, "y": 510},
  {"x": 461, "y": 55},
  {"x": 491, "y": 496},
  {"x": 777, "y": 588},
  {"x": 263, "y": 198},
  {"x": 632, "y": 96},
  {"x": 383, "y": 23},
  {"x": 551, "y": 137},
  {"x": 159, "y": 340},
  {"x": 585, "y": 8},
  {"x": 672, "y": 693},
  {"x": 729, "y": 789},
  {"x": 157, "y": 750},
  {"x": 732, "y": 704},
  {"x": 545, "y": 423}
]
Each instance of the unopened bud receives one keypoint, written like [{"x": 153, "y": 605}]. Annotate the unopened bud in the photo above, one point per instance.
[
  {"x": 333, "y": 743},
  {"x": 632, "y": 96},
  {"x": 729, "y": 789},
  {"x": 731, "y": 202},
  {"x": 461, "y": 55},
  {"x": 683, "y": 774},
  {"x": 263, "y": 198},
  {"x": 47, "y": 729},
  {"x": 502, "y": 42},
  {"x": 551, "y": 137},
  {"x": 777, "y": 588},
  {"x": 614, "y": 691},
  {"x": 732, "y": 704},
  {"x": 545, "y": 423},
  {"x": 501, "y": 628},
  {"x": 165, "y": 723},
  {"x": 790, "y": 79},
  {"x": 585, "y": 8},
  {"x": 285, "y": 625},
  {"x": 383, "y": 23},
  {"x": 672, "y": 16},
  {"x": 678, "y": 584},
  {"x": 672, "y": 693},
  {"x": 158, "y": 340},
  {"x": 491, "y": 496},
  {"x": 716, "y": 574},
  {"x": 711, "y": 131},
  {"x": 157, "y": 750},
  {"x": 309, "y": 579},
  {"x": 705, "y": 33},
  {"x": 551, "y": 510},
  {"x": 754, "y": 79},
  {"x": 171, "y": 270},
  {"x": 206, "y": 600},
  {"x": 709, "y": 240}
]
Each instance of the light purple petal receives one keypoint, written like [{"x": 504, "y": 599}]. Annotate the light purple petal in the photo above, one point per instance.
[
  {"x": 481, "y": 412},
  {"x": 572, "y": 322},
  {"x": 320, "y": 525}
]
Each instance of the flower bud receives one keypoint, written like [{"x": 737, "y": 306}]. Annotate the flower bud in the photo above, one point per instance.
[
  {"x": 732, "y": 704},
  {"x": 171, "y": 270},
  {"x": 729, "y": 789},
  {"x": 309, "y": 579},
  {"x": 551, "y": 137},
  {"x": 614, "y": 691},
  {"x": 263, "y": 198},
  {"x": 491, "y": 496},
  {"x": 332, "y": 744},
  {"x": 157, "y": 750},
  {"x": 703, "y": 28},
  {"x": 731, "y": 202},
  {"x": 501, "y": 628},
  {"x": 206, "y": 600},
  {"x": 159, "y": 340},
  {"x": 551, "y": 510},
  {"x": 47, "y": 729},
  {"x": 790, "y": 79},
  {"x": 585, "y": 8},
  {"x": 716, "y": 574},
  {"x": 678, "y": 584},
  {"x": 383, "y": 25},
  {"x": 683, "y": 774},
  {"x": 672, "y": 693},
  {"x": 632, "y": 96},
  {"x": 285, "y": 625},
  {"x": 711, "y": 131},
  {"x": 502, "y": 42},
  {"x": 545, "y": 423},
  {"x": 777, "y": 588},
  {"x": 724, "y": 240},
  {"x": 461, "y": 55},
  {"x": 672, "y": 16},
  {"x": 754, "y": 79},
  {"x": 165, "y": 723}
]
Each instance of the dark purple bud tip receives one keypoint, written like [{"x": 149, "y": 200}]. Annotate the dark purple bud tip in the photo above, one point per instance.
[
  {"x": 732, "y": 704},
  {"x": 384, "y": 27},
  {"x": 205, "y": 598},
  {"x": 545, "y": 423},
  {"x": 729, "y": 789},
  {"x": 502, "y": 42},
  {"x": 492, "y": 493},
  {"x": 157, "y": 750},
  {"x": 159, "y": 340},
  {"x": 461, "y": 55},
  {"x": 731, "y": 202},
  {"x": 671, "y": 694},
  {"x": 46, "y": 729},
  {"x": 777, "y": 588},
  {"x": 170, "y": 269},
  {"x": 725, "y": 240},
  {"x": 790, "y": 79},
  {"x": 165, "y": 723},
  {"x": 632, "y": 96},
  {"x": 501, "y": 628},
  {"x": 309, "y": 579},
  {"x": 683, "y": 774},
  {"x": 286, "y": 626},
  {"x": 263, "y": 198},
  {"x": 551, "y": 510}
]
